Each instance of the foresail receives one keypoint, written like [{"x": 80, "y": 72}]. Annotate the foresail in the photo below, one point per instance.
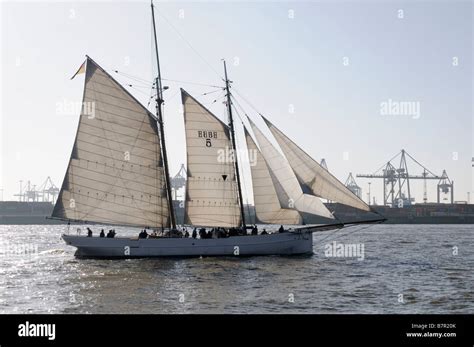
[
  {"x": 211, "y": 189},
  {"x": 268, "y": 207},
  {"x": 312, "y": 175},
  {"x": 115, "y": 173},
  {"x": 285, "y": 177}
]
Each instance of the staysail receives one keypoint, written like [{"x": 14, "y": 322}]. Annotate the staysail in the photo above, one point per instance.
[
  {"x": 268, "y": 206},
  {"x": 115, "y": 173},
  {"x": 312, "y": 175},
  {"x": 287, "y": 179},
  {"x": 211, "y": 189}
]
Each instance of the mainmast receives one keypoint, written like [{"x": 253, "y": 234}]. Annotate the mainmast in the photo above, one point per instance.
[
  {"x": 159, "y": 114},
  {"x": 234, "y": 146}
]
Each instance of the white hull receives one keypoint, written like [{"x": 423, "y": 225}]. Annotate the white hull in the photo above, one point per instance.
[{"x": 287, "y": 243}]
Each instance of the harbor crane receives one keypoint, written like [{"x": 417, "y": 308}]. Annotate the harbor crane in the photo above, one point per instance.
[
  {"x": 352, "y": 185},
  {"x": 323, "y": 164},
  {"x": 396, "y": 179},
  {"x": 178, "y": 181},
  {"x": 47, "y": 191}
]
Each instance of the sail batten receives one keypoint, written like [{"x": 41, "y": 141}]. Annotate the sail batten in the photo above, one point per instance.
[
  {"x": 314, "y": 176},
  {"x": 211, "y": 187},
  {"x": 115, "y": 173},
  {"x": 288, "y": 188}
]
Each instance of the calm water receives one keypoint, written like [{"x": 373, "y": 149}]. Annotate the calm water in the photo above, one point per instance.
[{"x": 416, "y": 261}]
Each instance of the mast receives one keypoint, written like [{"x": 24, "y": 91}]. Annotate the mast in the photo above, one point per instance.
[
  {"x": 234, "y": 146},
  {"x": 159, "y": 114}
]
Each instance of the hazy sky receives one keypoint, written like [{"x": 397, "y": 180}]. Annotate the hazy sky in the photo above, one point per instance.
[{"x": 319, "y": 70}]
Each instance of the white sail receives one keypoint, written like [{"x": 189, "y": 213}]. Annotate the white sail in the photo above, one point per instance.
[
  {"x": 268, "y": 207},
  {"x": 280, "y": 167},
  {"x": 115, "y": 173},
  {"x": 312, "y": 175},
  {"x": 211, "y": 189}
]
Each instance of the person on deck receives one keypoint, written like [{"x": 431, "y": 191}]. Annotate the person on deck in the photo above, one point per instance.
[
  {"x": 221, "y": 233},
  {"x": 194, "y": 233},
  {"x": 264, "y": 232},
  {"x": 281, "y": 229},
  {"x": 102, "y": 234},
  {"x": 89, "y": 232},
  {"x": 254, "y": 230}
]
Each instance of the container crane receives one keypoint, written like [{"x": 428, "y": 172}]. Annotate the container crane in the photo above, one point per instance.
[{"x": 396, "y": 180}]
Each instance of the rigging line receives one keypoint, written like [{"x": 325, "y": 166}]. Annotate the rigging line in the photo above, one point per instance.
[
  {"x": 331, "y": 233},
  {"x": 172, "y": 96},
  {"x": 214, "y": 101},
  {"x": 131, "y": 86},
  {"x": 187, "y": 42},
  {"x": 151, "y": 96},
  {"x": 344, "y": 234},
  {"x": 144, "y": 83},
  {"x": 211, "y": 92},
  {"x": 248, "y": 102},
  {"x": 355, "y": 231},
  {"x": 207, "y": 104},
  {"x": 136, "y": 83},
  {"x": 139, "y": 86},
  {"x": 242, "y": 109},
  {"x": 137, "y": 90},
  {"x": 132, "y": 76},
  {"x": 194, "y": 83},
  {"x": 236, "y": 111}
]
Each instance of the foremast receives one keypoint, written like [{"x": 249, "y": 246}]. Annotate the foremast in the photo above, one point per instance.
[
  {"x": 159, "y": 115},
  {"x": 234, "y": 146}
]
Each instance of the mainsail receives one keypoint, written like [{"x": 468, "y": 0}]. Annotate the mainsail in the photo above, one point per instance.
[
  {"x": 211, "y": 189},
  {"x": 286, "y": 178},
  {"x": 312, "y": 175},
  {"x": 267, "y": 201},
  {"x": 115, "y": 173}
]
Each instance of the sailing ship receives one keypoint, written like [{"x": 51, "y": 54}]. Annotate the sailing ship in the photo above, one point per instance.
[{"x": 118, "y": 175}]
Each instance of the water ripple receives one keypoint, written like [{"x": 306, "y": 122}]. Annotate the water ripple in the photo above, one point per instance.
[{"x": 406, "y": 269}]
